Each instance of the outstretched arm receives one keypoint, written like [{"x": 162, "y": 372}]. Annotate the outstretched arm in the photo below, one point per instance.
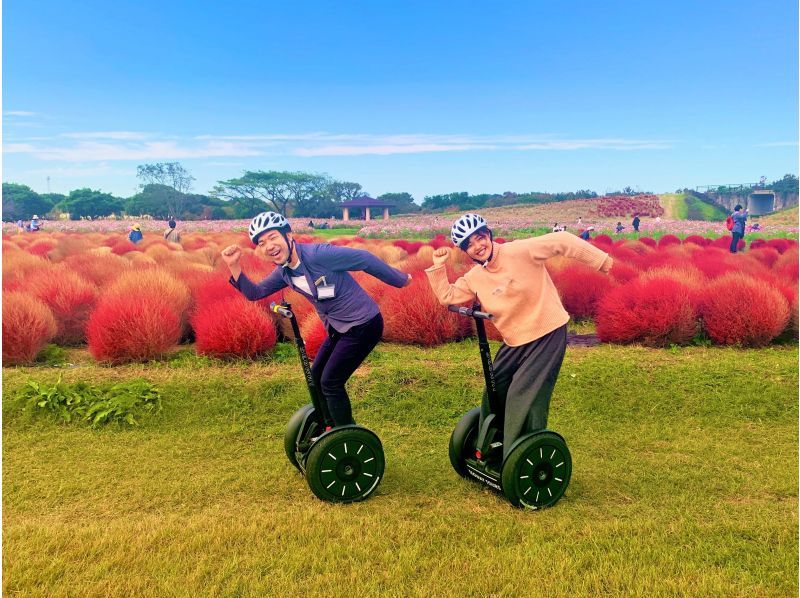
[{"x": 344, "y": 259}]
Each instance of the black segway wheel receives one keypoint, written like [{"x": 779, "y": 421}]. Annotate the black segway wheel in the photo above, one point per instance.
[
  {"x": 345, "y": 465},
  {"x": 462, "y": 440},
  {"x": 294, "y": 431},
  {"x": 537, "y": 470}
]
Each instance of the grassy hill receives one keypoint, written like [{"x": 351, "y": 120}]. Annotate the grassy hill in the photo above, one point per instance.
[{"x": 682, "y": 206}]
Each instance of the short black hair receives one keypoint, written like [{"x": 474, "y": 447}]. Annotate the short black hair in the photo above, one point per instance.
[
  {"x": 738, "y": 207},
  {"x": 172, "y": 224}
]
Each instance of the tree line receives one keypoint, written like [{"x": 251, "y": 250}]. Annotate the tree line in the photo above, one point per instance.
[{"x": 165, "y": 191}]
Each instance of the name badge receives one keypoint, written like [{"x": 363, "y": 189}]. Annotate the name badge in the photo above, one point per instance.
[{"x": 325, "y": 290}]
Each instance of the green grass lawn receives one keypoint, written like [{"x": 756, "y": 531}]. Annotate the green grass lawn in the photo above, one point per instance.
[
  {"x": 682, "y": 206},
  {"x": 684, "y": 483}
]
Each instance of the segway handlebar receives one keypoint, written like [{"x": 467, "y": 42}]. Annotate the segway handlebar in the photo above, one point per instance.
[
  {"x": 281, "y": 309},
  {"x": 470, "y": 312}
]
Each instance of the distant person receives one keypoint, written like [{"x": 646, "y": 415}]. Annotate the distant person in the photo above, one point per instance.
[
  {"x": 34, "y": 225},
  {"x": 739, "y": 220},
  {"x": 580, "y": 222},
  {"x": 636, "y": 222},
  {"x": 310, "y": 224},
  {"x": 171, "y": 234},
  {"x": 556, "y": 228},
  {"x": 586, "y": 235},
  {"x": 136, "y": 234},
  {"x": 619, "y": 227},
  {"x": 20, "y": 226},
  {"x": 755, "y": 226}
]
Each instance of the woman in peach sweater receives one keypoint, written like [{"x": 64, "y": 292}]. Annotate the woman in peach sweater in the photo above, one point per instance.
[{"x": 511, "y": 282}]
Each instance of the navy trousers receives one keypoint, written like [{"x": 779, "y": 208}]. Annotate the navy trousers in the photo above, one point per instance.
[{"x": 337, "y": 359}]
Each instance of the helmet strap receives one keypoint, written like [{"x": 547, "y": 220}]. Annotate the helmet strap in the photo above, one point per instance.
[{"x": 291, "y": 244}]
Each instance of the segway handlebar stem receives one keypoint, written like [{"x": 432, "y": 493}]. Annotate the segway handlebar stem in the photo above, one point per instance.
[
  {"x": 470, "y": 312},
  {"x": 281, "y": 310}
]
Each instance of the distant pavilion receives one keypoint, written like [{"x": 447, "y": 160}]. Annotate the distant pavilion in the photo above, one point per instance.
[{"x": 364, "y": 203}]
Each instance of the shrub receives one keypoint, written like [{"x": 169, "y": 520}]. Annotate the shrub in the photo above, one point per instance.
[
  {"x": 127, "y": 328},
  {"x": 725, "y": 243},
  {"x": 604, "y": 241},
  {"x": 786, "y": 265},
  {"x": 668, "y": 240},
  {"x": 413, "y": 315},
  {"x": 28, "y": 325},
  {"x": 756, "y": 243},
  {"x": 764, "y": 254},
  {"x": 99, "y": 269},
  {"x": 581, "y": 288},
  {"x": 622, "y": 271},
  {"x": 156, "y": 281},
  {"x": 121, "y": 247},
  {"x": 715, "y": 262},
  {"x": 738, "y": 310},
  {"x": 20, "y": 266},
  {"x": 780, "y": 245},
  {"x": 314, "y": 334},
  {"x": 233, "y": 327},
  {"x": 696, "y": 240},
  {"x": 648, "y": 241},
  {"x": 41, "y": 247},
  {"x": 657, "y": 312},
  {"x": 71, "y": 299}
]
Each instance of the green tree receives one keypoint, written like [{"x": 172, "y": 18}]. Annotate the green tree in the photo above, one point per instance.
[
  {"x": 20, "y": 202},
  {"x": 168, "y": 174},
  {"x": 788, "y": 184},
  {"x": 403, "y": 202},
  {"x": 155, "y": 200},
  {"x": 283, "y": 192},
  {"x": 85, "y": 202}
]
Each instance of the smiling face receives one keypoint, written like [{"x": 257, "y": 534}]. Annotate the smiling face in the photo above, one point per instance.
[
  {"x": 273, "y": 246},
  {"x": 479, "y": 246}
]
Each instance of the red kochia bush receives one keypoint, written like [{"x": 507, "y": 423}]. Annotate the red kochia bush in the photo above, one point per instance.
[
  {"x": 696, "y": 240},
  {"x": 314, "y": 334},
  {"x": 603, "y": 240},
  {"x": 623, "y": 272},
  {"x": 656, "y": 312},
  {"x": 412, "y": 315},
  {"x": 581, "y": 288},
  {"x": 127, "y": 328},
  {"x": 668, "y": 240},
  {"x": 70, "y": 298},
  {"x": 233, "y": 327},
  {"x": 738, "y": 310},
  {"x": 28, "y": 325},
  {"x": 780, "y": 245}
]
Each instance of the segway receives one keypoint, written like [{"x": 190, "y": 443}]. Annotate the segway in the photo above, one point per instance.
[
  {"x": 342, "y": 464},
  {"x": 538, "y": 467}
]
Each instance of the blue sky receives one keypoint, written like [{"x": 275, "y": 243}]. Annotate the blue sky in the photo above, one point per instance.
[{"x": 424, "y": 97}]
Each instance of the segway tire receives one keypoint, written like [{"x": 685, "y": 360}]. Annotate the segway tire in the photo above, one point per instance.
[
  {"x": 345, "y": 465},
  {"x": 293, "y": 430},
  {"x": 462, "y": 440},
  {"x": 537, "y": 470}
]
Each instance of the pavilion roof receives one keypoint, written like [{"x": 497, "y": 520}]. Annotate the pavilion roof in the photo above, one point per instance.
[{"x": 365, "y": 202}]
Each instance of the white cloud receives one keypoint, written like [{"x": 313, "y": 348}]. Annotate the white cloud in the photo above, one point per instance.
[
  {"x": 118, "y": 135},
  {"x": 18, "y": 113},
  {"x": 140, "y": 146},
  {"x": 777, "y": 144}
]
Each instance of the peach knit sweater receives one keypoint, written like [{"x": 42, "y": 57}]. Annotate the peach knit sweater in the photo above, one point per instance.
[{"x": 516, "y": 287}]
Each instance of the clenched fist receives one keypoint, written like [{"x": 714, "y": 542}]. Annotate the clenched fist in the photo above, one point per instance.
[
  {"x": 440, "y": 256},
  {"x": 231, "y": 255}
]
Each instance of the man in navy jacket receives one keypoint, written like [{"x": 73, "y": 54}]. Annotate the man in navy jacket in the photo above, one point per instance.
[{"x": 320, "y": 272}]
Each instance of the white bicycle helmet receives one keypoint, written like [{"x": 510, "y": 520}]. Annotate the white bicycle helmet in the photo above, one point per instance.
[
  {"x": 267, "y": 221},
  {"x": 465, "y": 226}
]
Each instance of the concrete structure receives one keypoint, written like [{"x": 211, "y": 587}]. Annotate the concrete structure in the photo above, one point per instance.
[
  {"x": 753, "y": 197},
  {"x": 364, "y": 203}
]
